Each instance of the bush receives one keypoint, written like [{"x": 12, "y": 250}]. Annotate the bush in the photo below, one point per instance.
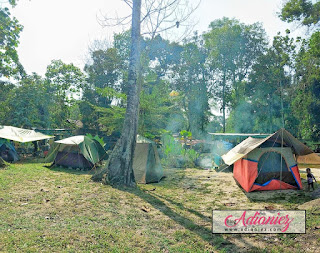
[{"x": 175, "y": 155}]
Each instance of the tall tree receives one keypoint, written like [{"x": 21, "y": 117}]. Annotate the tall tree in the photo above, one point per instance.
[
  {"x": 305, "y": 94},
  {"x": 64, "y": 82},
  {"x": 9, "y": 39},
  {"x": 190, "y": 77},
  {"x": 27, "y": 104},
  {"x": 156, "y": 106},
  {"x": 233, "y": 48},
  {"x": 104, "y": 73},
  {"x": 306, "y": 102},
  {"x": 269, "y": 85},
  {"x": 120, "y": 171}
]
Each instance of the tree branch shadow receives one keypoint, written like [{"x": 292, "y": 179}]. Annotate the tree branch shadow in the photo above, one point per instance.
[
  {"x": 216, "y": 240},
  {"x": 70, "y": 171}
]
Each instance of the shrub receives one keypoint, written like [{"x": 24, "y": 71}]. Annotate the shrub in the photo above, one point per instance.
[{"x": 175, "y": 155}]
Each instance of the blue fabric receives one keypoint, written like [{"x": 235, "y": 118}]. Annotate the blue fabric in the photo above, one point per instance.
[
  {"x": 272, "y": 161},
  {"x": 227, "y": 145},
  {"x": 293, "y": 166},
  {"x": 266, "y": 183},
  {"x": 250, "y": 160},
  {"x": 8, "y": 144}
]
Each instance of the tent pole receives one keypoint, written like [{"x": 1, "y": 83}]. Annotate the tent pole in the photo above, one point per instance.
[{"x": 281, "y": 156}]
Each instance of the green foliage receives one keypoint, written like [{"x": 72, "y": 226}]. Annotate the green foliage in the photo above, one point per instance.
[
  {"x": 27, "y": 105},
  {"x": 9, "y": 39},
  {"x": 97, "y": 138},
  {"x": 191, "y": 156},
  {"x": 111, "y": 94},
  {"x": 175, "y": 155},
  {"x": 43, "y": 103},
  {"x": 63, "y": 82},
  {"x": 5, "y": 89},
  {"x": 110, "y": 119},
  {"x": 156, "y": 106},
  {"x": 233, "y": 49},
  {"x": 306, "y": 102},
  {"x": 13, "y": 2},
  {"x": 170, "y": 146},
  {"x": 191, "y": 80},
  {"x": 104, "y": 71},
  {"x": 258, "y": 88},
  {"x": 185, "y": 134},
  {"x": 166, "y": 53},
  {"x": 105, "y": 87},
  {"x": 268, "y": 101},
  {"x": 303, "y": 11}
]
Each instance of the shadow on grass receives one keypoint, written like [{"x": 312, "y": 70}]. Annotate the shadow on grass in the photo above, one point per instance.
[
  {"x": 71, "y": 171},
  {"x": 182, "y": 207},
  {"x": 224, "y": 168},
  {"x": 29, "y": 159},
  {"x": 286, "y": 197},
  {"x": 216, "y": 240}
]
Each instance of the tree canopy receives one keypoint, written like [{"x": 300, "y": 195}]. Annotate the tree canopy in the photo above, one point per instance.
[
  {"x": 231, "y": 78},
  {"x": 304, "y": 11}
]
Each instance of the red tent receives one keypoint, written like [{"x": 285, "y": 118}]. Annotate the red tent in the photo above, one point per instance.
[{"x": 269, "y": 163}]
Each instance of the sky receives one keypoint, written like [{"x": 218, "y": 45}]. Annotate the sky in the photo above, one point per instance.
[{"x": 64, "y": 29}]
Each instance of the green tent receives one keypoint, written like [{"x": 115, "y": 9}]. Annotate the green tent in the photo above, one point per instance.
[
  {"x": 76, "y": 152},
  {"x": 2, "y": 162},
  {"x": 7, "y": 151},
  {"x": 146, "y": 162}
]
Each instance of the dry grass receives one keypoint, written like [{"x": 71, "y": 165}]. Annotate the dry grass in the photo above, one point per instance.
[{"x": 59, "y": 210}]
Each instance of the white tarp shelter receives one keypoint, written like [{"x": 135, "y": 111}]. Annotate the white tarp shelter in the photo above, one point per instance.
[{"x": 21, "y": 135}]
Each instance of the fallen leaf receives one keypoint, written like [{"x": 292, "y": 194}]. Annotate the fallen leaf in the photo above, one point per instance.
[
  {"x": 146, "y": 209},
  {"x": 269, "y": 207},
  {"x": 229, "y": 204}
]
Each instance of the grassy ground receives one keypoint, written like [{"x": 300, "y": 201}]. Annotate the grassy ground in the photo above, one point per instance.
[{"x": 60, "y": 210}]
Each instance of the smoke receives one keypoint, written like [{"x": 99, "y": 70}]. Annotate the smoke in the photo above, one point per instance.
[
  {"x": 176, "y": 123},
  {"x": 242, "y": 119}
]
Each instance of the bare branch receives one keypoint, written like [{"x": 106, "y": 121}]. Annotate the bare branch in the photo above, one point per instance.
[
  {"x": 158, "y": 16},
  {"x": 167, "y": 14},
  {"x": 149, "y": 9},
  {"x": 129, "y": 3}
]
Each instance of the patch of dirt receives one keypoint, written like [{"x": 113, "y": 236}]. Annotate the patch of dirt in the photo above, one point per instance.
[{"x": 310, "y": 205}]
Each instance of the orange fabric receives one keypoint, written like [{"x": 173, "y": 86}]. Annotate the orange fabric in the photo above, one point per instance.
[
  {"x": 273, "y": 185},
  {"x": 296, "y": 174},
  {"x": 245, "y": 172}
]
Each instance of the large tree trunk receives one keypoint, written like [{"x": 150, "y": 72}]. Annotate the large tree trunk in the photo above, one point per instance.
[{"x": 119, "y": 170}]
